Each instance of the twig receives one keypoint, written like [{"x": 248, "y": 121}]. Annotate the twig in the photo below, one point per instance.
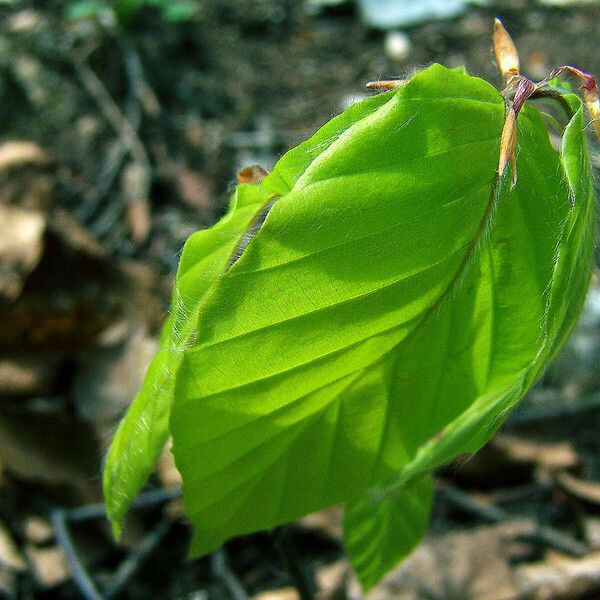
[
  {"x": 135, "y": 559},
  {"x": 60, "y": 518},
  {"x": 220, "y": 569},
  {"x": 124, "y": 129},
  {"x": 108, "y": 173},
  {"x": 127, "y": 134},
  {"x": 146, "y": 500},
  {"x": 80, "y": 575},
  {"x": 550, "y": 536},
  {"x": 137, "y": 78},
  {"x": 104, "y": 223},
  {"x": 556, "y": 409}
]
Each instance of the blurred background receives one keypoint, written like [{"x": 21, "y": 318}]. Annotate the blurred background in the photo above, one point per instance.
[{"x": 122, "y": 127}]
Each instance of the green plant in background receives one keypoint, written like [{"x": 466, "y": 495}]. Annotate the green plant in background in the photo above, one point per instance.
[
  {"x": 374, "y": 307},
  {"x": 125, "y": 11}
]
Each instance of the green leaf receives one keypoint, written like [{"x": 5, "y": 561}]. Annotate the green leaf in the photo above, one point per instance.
[
  {"x": 380, "y": 531},
  {"x": 142, "y": 434},
  {"x": 369, "y": 328},
  {"x": 396, "y": 303}
]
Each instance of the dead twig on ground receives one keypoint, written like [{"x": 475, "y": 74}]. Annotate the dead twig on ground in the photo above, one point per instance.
[
  {"x": 112, "y": 113},
  {"x": 126, "y": 129},
  {"x": 220, "y": 569},
  {"x": 135, "y": 559},
  {"x": 549, "y": 536},
  {"x": 60, "y": 519},
  {"x": 300, "y": 578}
]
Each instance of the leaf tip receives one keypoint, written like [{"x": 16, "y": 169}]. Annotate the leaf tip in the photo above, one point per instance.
[{"x": 117, "y": 529}]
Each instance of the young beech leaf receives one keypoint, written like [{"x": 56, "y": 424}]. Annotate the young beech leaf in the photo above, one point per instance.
[
  {"x": 141, "y": 436},
  {"x": 398, "y": 300}
]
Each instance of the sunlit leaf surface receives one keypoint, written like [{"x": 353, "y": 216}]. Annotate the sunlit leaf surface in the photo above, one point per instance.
[{"x": 395, "y": 304}]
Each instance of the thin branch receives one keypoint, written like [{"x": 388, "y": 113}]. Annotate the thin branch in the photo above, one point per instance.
[
  {"x": 550, "y": 536},
  {"x": 135, "y": 559},
  {"x": 124, "y": 129},
  {"x": 81, "y": 578},
  {"x": 60, "y": 518},
  {"x": 220, "y": 569},
  {"x": 302, "y": 582}
]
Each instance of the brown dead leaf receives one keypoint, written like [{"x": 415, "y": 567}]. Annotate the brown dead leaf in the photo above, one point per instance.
[
  {"x": 74, "y": 292},
  {"x": 109, "y": 376},
  {"x": 331, "y": 579},
  {"x": 327, "y": 521},
  {"x": 167, "y": 470},
  {"x": 27, "y": 176}
]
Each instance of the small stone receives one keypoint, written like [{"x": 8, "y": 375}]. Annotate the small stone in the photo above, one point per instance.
[{"x": 397, "y": 45}]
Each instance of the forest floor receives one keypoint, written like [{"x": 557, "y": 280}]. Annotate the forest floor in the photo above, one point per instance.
[{"x": 115, "y": 146}]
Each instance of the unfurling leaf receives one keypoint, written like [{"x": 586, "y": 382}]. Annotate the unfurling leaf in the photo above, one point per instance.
[
  {"x": 507, "y": 56},
  {"x": 374, "y": 307}
]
